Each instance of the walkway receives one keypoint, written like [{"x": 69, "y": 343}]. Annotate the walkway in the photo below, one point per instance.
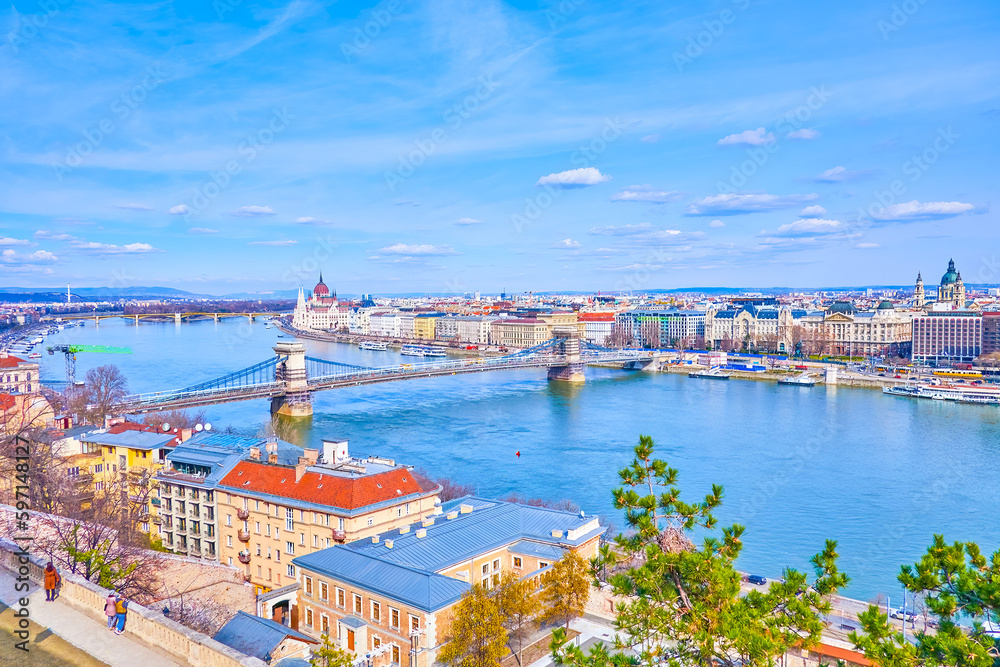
[{"x": 84, "y": 632}]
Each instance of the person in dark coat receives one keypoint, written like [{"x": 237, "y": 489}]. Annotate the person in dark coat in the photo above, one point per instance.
[{"x": 52, "y": 580}]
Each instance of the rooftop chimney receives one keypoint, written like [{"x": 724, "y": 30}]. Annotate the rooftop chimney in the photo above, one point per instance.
[
  {"x": 185, "y": 434},
  {"x": 255, "y": 453},
  {"x": 312, "y": 455},
  {"x": 300, "y": 467},
  {"x": 388, "y": 544},
  {"x": 272, "y": 445},
  {"x": 272, "y": 458},
  {"x": 421, "y": 532},
  {"x": 374, "y": 539}
]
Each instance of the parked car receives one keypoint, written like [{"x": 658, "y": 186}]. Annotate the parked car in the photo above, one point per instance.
[
  {"x": 756, "y": 580},
  {"x": 908, "y": 614}
]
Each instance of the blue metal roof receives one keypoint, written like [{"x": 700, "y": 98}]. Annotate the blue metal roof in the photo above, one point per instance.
[
  {"x": 424, "y": 590},
  {"x": 537, "y": 549},
  {"x": 353, "y": 622},
  {"x": 132, "y": 439},
  {"x": 491, "y": 525},
  {"x": 255, "y": 636}
]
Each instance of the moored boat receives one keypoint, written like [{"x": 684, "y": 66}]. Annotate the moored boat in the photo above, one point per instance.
[
  {"x": 412, "y": 351},
  {"x": 947, "y": 392},
  {"x": 800, "y": 380},
  {"x": 372, "y": 345},
  {"x": 710, "y": 374}
]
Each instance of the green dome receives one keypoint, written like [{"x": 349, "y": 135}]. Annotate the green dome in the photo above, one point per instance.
[
  {"x": 842, "y": 307},
  {"x": 950, "y": 276},
  {"x": 885, "y": 305}
]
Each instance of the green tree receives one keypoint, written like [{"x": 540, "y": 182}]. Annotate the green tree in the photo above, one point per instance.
[
  {"x": 478, "y": 637},
  {"x": 519, "y": 608},
  {"x": 955, "y": 580},
  {"x": 566, "y": 588},
  {"x": 682, "y": 604},
  {"x": 328, "y": 654}
]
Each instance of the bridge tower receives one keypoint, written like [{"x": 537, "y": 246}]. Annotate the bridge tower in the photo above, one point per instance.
[
  {"x": 291, "y": 372},
  {"x": 568, "y": 347}
]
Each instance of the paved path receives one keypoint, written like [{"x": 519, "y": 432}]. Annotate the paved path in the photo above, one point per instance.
[{"x": 84, "y": 632}]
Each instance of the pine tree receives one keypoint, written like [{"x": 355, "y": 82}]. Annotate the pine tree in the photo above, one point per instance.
[
  {"x": 682, "y": 603},
  {"x": 954, "y": 580}
]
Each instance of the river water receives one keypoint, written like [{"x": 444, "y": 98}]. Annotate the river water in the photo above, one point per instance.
[{"x": 880, "y": 474}]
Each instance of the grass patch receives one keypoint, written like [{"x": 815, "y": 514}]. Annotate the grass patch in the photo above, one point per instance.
[{"x": 45, "y": 649}]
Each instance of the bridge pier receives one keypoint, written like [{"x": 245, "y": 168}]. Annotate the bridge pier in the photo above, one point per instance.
[
  {"x": 568, "y": 346},
  {"x": 177, "y": 318},
  {"x": 136, "y": 318},
  {"x": 291, "y": 372},
  {"x": 215, "y": 317}
]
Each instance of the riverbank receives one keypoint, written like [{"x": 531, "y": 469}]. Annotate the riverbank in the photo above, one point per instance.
[{"x": 391, "y": 343}]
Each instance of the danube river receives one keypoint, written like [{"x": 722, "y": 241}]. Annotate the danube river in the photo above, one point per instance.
[{"x": 799, "y": 465}]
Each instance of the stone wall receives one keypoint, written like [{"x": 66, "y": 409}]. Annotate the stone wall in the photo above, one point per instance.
[{"x": 146, "y": 626}]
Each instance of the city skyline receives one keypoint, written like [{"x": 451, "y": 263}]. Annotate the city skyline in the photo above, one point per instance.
[{"x": 479, "y": 147}]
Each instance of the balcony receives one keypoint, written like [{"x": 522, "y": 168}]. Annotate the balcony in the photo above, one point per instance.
[
  {"x": 244, "y": 557},
  {"x": 242, "y": 515},
  {"x": 157, "y": 520},
  {"x": 243, "y": 535},
  {"x": 339, "y": 535}
]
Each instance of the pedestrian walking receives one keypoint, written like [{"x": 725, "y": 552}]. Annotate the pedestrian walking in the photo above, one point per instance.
[
  {"x": 110, "y": 611},
  {"x": 52, "y": 580},
  {"x": 121, "y": 610}
]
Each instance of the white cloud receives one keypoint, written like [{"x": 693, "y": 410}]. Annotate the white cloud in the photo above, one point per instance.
[
  {"x": 566, "y": 244},
  {"x": 650, "y": 138},
  {"x": 840, "y": 175},
  {"x": 812, "y": 211},
  {"x": 468, "y": 221},
  {"x": 280, "y": 243},
  {"x": 717, "y": 223},
  {"x": 646, "y": 194},
  {"x": 866, "y": 245},
  {"x": 8, "y": 241},
  {"x": 111, "y": 249},
  {"x": 202, "y": 230},
  {"x": 135, "y": 207},
  {"x": 804, "y": 133},
  {"x": 43, "y": 234},
  {"x": 309, "y": 220},
  {"x": 14, "y": 258},
  {"x": 180, "y": 209},
  {"x": 574, "y": 178},
  {"x": 914, "y": 210},
  {"x": 735, "y": 204},
  {"x": 757, "y": 137},
  {"x": 425, "y": 250},
  {"x": 810, "y": 226},
  {"x": 253, "y": 211}
]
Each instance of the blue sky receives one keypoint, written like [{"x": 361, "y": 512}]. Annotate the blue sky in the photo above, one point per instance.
[{"x": 447, "y": 146}]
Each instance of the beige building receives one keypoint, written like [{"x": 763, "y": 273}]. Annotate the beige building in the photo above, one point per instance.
[
  {"x": 843, "y": 330},
  {"x": 520, "y": 333},
  {"x": 17, "y": 376},
  {"x": 270, "y": 513},
  {"x": 392, "y": 595}
]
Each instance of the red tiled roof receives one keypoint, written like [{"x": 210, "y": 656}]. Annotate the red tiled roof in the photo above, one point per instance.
[
  {"x": 6, "y": 402},
  {"x": 596, "y": 317},
  {"x": 844, "y": 654},
  {"x": 326, "y": 489},
  {"x": 133, "y": 426},
  {"x": 10, "y": 361}
]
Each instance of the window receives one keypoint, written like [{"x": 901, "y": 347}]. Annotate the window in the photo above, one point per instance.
[
  {"x": 357, "y": 604},
  {"x": 256, "y": 527},
  {"x": 315, "y": 541},
  {"x": 229, "y": 517},
  {"x": 302, "y": 539},
  {"x": 542, "y": 565},
  {"x": 340, "y": 597},
  {"x": 395, "y": 654},
  {"x": 393, "y": 618},
  {"x": 230, "y": 560},
  {"x": 414, "y": 623},
  {"x": 486, "y": 568},
  {"x": 340, "y": 523},
  {"x": 258, "y": 549},
  {"x": 399, "y": 511},
  {"x": 371, "y": 522},
  {"x": 290, "y": 548},
  {"x": 324, "y": 590},
  {"x": 267, "y": 530},
  {"x": 229, "y": 540},
  {"x": 376, "y": 641},
  {"x": 289, "y": 519},
  {"x": 496, "y": 564},
  {"x": 291, "y": 571},
  {"x": 376, "y": 611},
  {"x": 326, "y": 624},
  {"x": 486, "y": 583},
  {"x": 517, "y": 562},
  {"x": 309, "y": 587},
  {"x": 309, "y": 617}
]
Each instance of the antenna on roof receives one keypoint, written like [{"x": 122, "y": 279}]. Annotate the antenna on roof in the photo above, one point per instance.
[{"x": 166, "y": 427}]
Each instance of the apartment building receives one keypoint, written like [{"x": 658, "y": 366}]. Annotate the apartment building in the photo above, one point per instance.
[
  {"x": 597, "y": 327},
  {"x": 391, "y": 595},
  {"x": 662, "y": 327},
  {"x": 186, "y": 503},
  {"x": 271, "y": 512},
  {"x": 17, "y": 376},
  {"x": 425, "y": 325}
]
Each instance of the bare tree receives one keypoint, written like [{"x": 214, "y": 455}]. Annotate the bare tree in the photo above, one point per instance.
[
  {"x": 103, "y": 395},
  {"x": 175, "y": 418}
]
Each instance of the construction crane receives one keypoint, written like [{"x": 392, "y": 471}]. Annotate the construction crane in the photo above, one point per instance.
[{"x": 71, "y": 350}]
